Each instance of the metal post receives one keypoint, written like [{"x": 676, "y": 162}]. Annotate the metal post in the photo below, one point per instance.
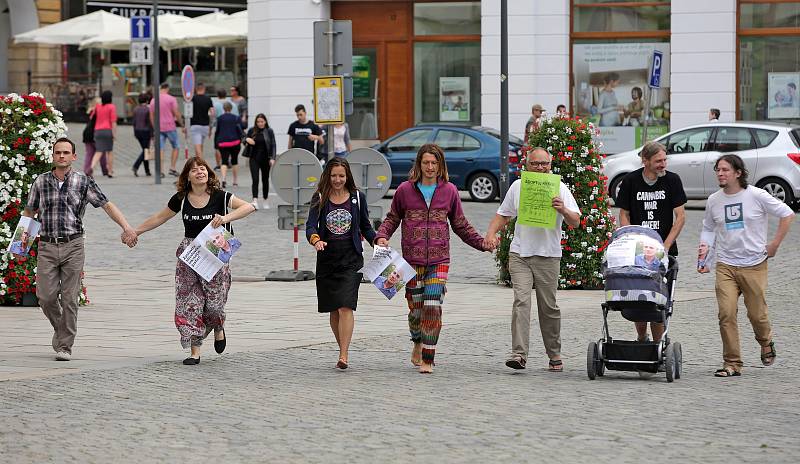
[
  {"x": 296, "y": 211},
  {"x": 156, "y": 100},
  {"x": 332, "y": 72},
  {"x": 647, "y": 103},
  {"x": 503, "y": 98}
]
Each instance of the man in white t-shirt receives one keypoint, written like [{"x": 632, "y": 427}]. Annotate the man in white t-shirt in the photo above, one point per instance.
[
  {"x": 535, "y": 256},
  {"x": 735, "y": 225}
]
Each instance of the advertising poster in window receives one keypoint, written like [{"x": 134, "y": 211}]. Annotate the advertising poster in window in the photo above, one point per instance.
[
  {"x": 454, "y": 99},
  {"x": 361, "y": 66},
  {"x": 610, "y": 91},
  {"x": 783, "y": 101}
]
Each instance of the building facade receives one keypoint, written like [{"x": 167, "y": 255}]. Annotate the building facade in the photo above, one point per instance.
[{"x": 418, "y": 61}]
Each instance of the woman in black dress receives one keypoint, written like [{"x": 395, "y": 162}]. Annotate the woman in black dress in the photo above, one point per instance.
[{"x": 336, "y": 222}]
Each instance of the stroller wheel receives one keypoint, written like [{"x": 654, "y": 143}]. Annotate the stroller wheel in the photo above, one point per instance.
[
  {"x": 669, "y": 362},
  {"x": 678, "y": 360},
  {"x": 591, "y": 360}
]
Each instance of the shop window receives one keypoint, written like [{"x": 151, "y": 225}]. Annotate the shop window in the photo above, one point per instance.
[
  {"x": 447, "y": 18},
  {"x": 763, "y": 15},
  {"x": 447, "y": 80},
  {"x": 450, "y": 141},
  {"x": 621, "y": 19},
  {"x": 769, "y": 60}
]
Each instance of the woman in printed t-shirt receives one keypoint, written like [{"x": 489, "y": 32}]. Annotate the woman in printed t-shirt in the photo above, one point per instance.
[
  {"x": 199, "y": 305},
  {"x": 425, "y": 203},
  {"x": 337, "y": 219}
]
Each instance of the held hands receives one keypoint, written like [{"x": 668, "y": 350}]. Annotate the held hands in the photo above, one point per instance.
[
  {"x": 129, "y": 237},
  {"x": 320, "y": 245},
  {"x": 382, "y": 242},
  {"x": 218, "y": 221},
  {"x": 490, "y": 242}
]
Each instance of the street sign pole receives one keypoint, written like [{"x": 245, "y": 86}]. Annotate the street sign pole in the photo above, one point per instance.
[
  {"x": 654, "y": 82},
  {"x": 156, "y": 99},
  {"x": 504, "y": 99},
  {"x": 331, "y": 35}
]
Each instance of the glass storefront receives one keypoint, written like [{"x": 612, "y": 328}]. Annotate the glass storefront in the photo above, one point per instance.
[
  {"x": 447, "y": 18},
  {"x": 612, "y": 48},
  {"x": 769, "y": 61},
  {"x": 447, "y": 82}
]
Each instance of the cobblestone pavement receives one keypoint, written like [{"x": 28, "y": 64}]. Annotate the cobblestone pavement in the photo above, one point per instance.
[{"x": 290, "y": 405}]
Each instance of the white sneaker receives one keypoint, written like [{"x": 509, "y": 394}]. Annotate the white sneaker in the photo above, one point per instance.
[
  {"x": 255, "y": 204},
  {"x": 63, "y": 356}
]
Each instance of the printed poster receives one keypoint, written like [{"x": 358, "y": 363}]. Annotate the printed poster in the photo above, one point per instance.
[
  {"x": 210, "y": 250},
  {"x": 361, "y": 80},
  {"x": 637, "y": 250},
  {"x": 388, "y": 271},
  {"x": 328, "y": 100},
  {"x": 536, "y": 199},
  {"x": 782, "y": 95},
  {"x": 454, "y": 98},
  {"x": 24, "y": 234}
]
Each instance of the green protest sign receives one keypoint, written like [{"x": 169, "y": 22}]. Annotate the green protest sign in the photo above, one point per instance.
[{"x": 536, "y": 199}]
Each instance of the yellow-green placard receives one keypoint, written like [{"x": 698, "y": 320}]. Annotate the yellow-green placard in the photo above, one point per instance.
[{"x": 536, "y": 199}]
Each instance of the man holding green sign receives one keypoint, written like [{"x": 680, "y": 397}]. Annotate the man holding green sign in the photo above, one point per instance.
[{"x": 541, "y": 202}]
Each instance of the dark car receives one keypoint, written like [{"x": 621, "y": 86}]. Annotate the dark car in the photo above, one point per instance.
[{"x": 472, "y": 154}]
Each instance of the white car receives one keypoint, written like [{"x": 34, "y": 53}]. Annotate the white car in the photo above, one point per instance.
[{"x": 771, "y": 153}]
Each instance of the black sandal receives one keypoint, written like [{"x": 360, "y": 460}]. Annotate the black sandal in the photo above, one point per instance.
[
  {"x": 190, "y": 361},
  {"x": 555, "y": 365},
  {"x": 516, "y": 363},
  {"x": 768, "y": 358},
  {"x": 726, "y": 372}
]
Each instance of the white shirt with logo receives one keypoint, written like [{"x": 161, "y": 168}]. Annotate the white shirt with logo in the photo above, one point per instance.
[
  {"x": 536, "y": 241},
  {"x": 737, "y": 224}
]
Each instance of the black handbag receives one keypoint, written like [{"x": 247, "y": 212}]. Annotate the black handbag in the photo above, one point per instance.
[
  {"x": 88, "y": 131},
  {"x": 247, "y": 151}
]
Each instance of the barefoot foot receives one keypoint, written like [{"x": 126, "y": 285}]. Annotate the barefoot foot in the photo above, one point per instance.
[
  {"x": 425, "y": 368},
  {"x": 416, "y": 354}
]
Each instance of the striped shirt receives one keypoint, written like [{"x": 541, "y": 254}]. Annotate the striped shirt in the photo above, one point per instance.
[{"x": 61, "y": 208}]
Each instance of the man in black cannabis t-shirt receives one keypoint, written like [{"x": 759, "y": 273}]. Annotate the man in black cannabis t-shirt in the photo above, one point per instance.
[
  {"x": 303, "y": 132},
  {"x": 653, "y": 197}
]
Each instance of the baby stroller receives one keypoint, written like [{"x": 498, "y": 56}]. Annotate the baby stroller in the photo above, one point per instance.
[{"x": 640, "y": 283}]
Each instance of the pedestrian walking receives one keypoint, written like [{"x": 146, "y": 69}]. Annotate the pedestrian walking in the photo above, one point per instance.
[
  {"x": 143, "y": 131},
  {"x": 337, "y": 220},
  {"x": 341, "y": 139},
  {"x": 260, "y": 149},
  {"x": 303, "y": 133},
  {"x": 105, "y": 132},
  {"x": 222, "y": 97},
  {"x": 167, "y": 123},
  {"x": 735, "y": 226},
  {"x": 200, "y": 122},
  {"x": 424, "y": 204},
  {"x": 88, "y": 139},
  {"x": 241, "y": 105},
  {"x": 199, "y": 305},
  {"x": 653, "y": 197},
  {"x": 59, "y": 199},
  {"x": 535, "y": 257},
  {"x": 228, "y": 138}
]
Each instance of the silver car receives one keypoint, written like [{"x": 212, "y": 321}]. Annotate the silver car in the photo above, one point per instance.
[{"x": 770, "y": 151}]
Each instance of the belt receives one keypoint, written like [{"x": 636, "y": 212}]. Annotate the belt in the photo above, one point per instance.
[{"x": 58, "y": 240}]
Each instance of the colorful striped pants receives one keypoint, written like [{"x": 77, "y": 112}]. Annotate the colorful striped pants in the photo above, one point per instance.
[{"x": 425, "y": 294}]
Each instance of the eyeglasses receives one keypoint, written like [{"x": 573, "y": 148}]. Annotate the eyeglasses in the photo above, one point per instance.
[{"x": 540, "y": 164}]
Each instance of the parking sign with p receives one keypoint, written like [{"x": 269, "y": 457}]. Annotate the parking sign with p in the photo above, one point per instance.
[{"x": 655, "y": 70}]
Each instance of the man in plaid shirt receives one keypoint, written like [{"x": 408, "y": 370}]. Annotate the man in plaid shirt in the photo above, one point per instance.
[{"x": 59, "y": 198}]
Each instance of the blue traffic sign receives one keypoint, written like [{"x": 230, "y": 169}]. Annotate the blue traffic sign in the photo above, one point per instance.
[
  {"x": 187, "y": 83},
  {"x": 140, "y": 28},
  {"x": 655, "y": 69}
]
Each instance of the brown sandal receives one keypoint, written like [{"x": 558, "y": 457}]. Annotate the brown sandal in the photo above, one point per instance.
[
  {"x": 726, "y": 372},
  {"x": 768, "y": 358}
]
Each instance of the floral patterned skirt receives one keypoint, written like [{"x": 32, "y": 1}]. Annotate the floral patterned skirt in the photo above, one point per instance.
[{"x": 199, "y": 305}]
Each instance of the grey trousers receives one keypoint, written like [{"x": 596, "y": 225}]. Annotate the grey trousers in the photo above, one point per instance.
[
  {"x": 544, "y": 272},
  {"x": 58, "y": 286}
]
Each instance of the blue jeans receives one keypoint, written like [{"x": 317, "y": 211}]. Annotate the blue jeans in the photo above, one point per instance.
[
  {"x": 340, "y": 154},
  {"x": 172, "y": 136}
]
